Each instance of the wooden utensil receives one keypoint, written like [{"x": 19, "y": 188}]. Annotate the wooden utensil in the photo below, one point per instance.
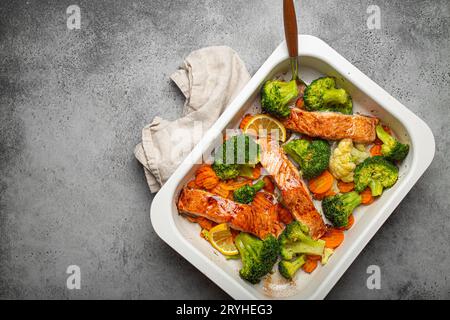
[{"x": 291, "y": 35}]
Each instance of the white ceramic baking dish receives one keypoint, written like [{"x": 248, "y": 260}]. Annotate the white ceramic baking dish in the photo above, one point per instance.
[{"x": 316, "y": 58}]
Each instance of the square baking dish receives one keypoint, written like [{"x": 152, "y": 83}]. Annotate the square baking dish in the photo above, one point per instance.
[{"x": 316, "y": 58}]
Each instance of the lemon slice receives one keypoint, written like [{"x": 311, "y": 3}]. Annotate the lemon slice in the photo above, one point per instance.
[
  {"x": 221, "y": 238},
  {"x": 262, "y": 125}
]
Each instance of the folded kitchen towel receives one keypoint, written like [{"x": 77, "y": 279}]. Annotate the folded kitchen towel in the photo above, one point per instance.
[{"x": 209, "y": 78}]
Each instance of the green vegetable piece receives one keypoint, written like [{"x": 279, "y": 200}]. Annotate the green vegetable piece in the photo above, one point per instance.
[
  {"x": 327, "y": 253},
  {"x": 276, "y": 95},
  {"x": 234, "y": 155},
  {"x": 339, "y": 207},
  {"x": 258, "y": 256},
  {"x": 288, "y": 269},
  {"x": 322, "y": 95},
  {"x": 246, "y": 194},
  {"x": 313, "y": 157},
  {"x": 377, "y": 173},
  {"x": 295, "y": 240},
  {"x": 392, "y": 149}
]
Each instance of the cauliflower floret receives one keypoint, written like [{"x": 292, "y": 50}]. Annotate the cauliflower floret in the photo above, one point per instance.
[{"x": 344, "y": 159}]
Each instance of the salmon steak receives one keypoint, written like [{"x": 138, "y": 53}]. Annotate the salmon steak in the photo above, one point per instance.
[
  {"x": 296, "y": 197},
  {"x": 332, "y": 125},
  {"x": 242, "y": 217}
]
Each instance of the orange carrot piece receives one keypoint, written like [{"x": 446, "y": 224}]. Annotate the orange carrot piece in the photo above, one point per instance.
[
  {"x": 314, "y": 257},
  {"x": 245, "y": 120},
  {"x": 269, "y": 186},
  {"x": 284, "y": 215},
  {"x": 191, "y": 184},
  {"x": 220, "y": 190},
  {"x": 333, "y": 238},
  {"x": 321, "y": 196},
  {"x": 190, "y": 218},
  {"x": 322, "y": 183},
  {"x": 366, "y": 196},
  {"x": 205, "y": 223},
  {"x": 375, "y": 150},
  {"x": 351, "y": 221},
  {"x": 310, "y": 265},
  {"x": 345, "y": 186},
  {"x": 206, "y": 177},
  {"x": 233, "y": 184}
]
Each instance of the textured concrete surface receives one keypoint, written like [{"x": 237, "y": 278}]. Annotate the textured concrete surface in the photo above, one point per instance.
[{"x": 73, "y": 103}]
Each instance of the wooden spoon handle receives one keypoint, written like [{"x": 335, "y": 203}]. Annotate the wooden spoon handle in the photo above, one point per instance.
[{"x": 290, "y": 27}]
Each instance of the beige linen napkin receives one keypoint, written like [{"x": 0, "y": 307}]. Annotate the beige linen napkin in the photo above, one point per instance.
[{"x": 209, "y": 78}]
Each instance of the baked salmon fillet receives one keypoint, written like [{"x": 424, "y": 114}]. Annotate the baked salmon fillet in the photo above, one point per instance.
[
  {"x": 294, "y": 192},
  {"x": 242, "y": 217},
  {"x": 332, "y": 125}
]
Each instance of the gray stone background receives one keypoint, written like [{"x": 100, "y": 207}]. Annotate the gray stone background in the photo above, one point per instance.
[{"x": 73, "y": 104}]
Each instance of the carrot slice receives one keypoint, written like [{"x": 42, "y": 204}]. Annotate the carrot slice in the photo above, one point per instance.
[
  {"x": 345, "y": 186},
  {"x": 310, "y": 265},
  {"x": 366, "y": 196},
  {"x": 333, "y": 238},
  {"x": 322, "y": 183},
  {"x": 220, "y": 190},
  {"x": 206, "y": 177},
  {"x": 351, "y": 221},
  {"x": 375, "y": 150},
  {"x": 314, "y": 257},
  {"x": 233, "y": 185},
  {"x": 321, "y": 196},
  {"x": 191, "y": 184},
  {"x": 268, "y": 186},
  {"x": 245, "y": 120},
  {"x": 205, "y": 223}
]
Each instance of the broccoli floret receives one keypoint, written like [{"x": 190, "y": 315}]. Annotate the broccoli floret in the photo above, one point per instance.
[
  {"x": 322, "y": 95},
  {"x": 391, "y": 149},
  {"x": 338, "y": 208},
  {"x": 377, "y": 173},
  {"x": 295, "y": 240},
  {"x": 312, "y": 156},
  {"x": 276, "y": 95},
  {"x": 245, "y": 194},
  {"x": 225, "y": 171},
  {"x": 234, "y": 155},
  {"x": 258, "y": 256},
  {"x": 288, "y": 268}
]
